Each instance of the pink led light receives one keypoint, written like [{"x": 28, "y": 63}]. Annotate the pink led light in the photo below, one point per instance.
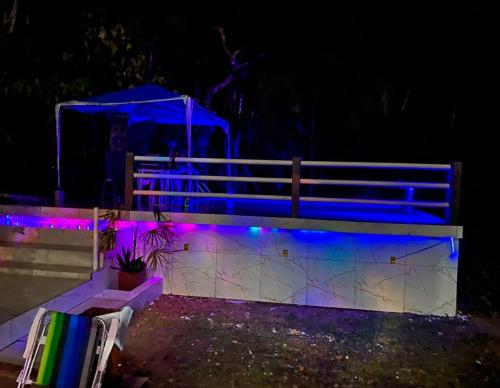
[
  {"x": 46, "y": 222},
  {"x": 187, "y": 227}
]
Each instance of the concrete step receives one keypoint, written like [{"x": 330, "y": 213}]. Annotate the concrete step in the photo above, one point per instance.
[
  {"x": 63, "y": 237},
  {"x": 46, "y": 254},
  {"x": 45, "y": 270}
]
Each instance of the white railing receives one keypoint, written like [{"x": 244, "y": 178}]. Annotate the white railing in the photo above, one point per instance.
[
  {"x": 450, "y": 185},
  {"x": 214, "y": 160}
]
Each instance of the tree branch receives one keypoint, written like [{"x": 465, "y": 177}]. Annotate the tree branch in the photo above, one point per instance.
[
  {"x": 235, "y": 67},
  {"x": 405, "y": 102},
  {"x": 12, "y": 19},
  {"x": 222, "y": 35}
]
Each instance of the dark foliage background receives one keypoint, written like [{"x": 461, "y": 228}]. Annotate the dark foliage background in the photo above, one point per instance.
[{"x": 399, "y": 82}]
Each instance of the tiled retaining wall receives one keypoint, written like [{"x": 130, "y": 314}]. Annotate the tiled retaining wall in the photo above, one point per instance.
[
  {"x": 311, "y": 262},
  {"x": 334, "y": 269}
]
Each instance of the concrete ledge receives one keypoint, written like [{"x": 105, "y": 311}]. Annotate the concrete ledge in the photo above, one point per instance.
[
  {"x": 267, "y": 222},
  {"x": 137, "y": 299}
]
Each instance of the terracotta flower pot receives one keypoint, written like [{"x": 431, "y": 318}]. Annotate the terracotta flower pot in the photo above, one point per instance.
[{"x": 127, "y": 281}]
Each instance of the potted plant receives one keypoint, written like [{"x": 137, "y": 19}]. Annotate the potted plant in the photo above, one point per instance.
[
  {"x": 132, "y": 269},
  {"x": 157, "y": 243}
]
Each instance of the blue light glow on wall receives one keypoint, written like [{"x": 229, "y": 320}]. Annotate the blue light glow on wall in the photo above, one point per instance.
[{"x": 255, "y": 229}]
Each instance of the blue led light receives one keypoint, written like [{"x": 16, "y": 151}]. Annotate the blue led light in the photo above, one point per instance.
[
  {"x": 255, "y": 229},
  {"x": 453, "y": 253}
]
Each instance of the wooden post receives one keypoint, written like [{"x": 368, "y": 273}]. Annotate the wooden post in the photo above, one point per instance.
[
  {"x": 454, "y": 193},
  {"x": 129, "y": 180},
  {"x": 95, "y": 244},
  {"x": 295, "y": 186},
  {"x": 59, "y": 198}
]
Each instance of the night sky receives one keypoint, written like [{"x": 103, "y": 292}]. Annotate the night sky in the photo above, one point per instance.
[{"x": 320, "y": 80}]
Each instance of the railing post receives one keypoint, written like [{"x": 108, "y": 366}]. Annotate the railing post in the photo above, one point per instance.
[
  {"x": 129, "y": 180},
  {"x": 59, "y": 198},
  {"x": 295, "y": 186},
  {"x": 95, "y": 243},
  {"x": 454, "y": 192}
]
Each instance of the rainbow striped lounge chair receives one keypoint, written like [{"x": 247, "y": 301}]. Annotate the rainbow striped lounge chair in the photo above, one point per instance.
[{"x": 72, "y": 350}]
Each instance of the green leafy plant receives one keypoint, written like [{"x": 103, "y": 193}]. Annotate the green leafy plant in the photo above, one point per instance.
[
  {"x": 107, "y": 236},
  {"x": 158, "y": 242}
]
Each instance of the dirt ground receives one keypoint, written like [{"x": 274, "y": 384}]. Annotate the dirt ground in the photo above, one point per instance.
[{"x": 199, "y": 342}]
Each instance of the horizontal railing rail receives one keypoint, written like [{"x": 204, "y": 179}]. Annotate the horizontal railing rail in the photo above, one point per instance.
[
  {"x": 304, "y": 163},
  {"x": 411, "y": 166},
  {"x": 215, "y": 178},
  {"x": 212, "y": 195},
  {"x": 264, "y": 162},
  {"x": 377, "y": 202},
  {"x": 451, "y": 186},
  {"x": 304, "y": 181}
]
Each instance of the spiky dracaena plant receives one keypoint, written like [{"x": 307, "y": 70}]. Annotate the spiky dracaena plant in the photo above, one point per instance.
[{"x": 128, "y": 261}]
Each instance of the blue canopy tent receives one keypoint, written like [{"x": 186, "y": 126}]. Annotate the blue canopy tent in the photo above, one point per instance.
[{"x": 144, "y": 103}]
